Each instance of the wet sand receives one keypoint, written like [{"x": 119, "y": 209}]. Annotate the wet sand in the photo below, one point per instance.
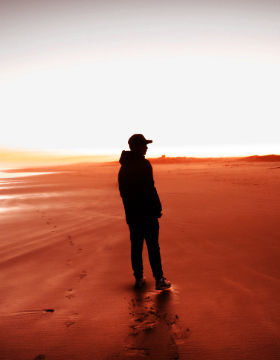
[{"x": 66, "y": 280}]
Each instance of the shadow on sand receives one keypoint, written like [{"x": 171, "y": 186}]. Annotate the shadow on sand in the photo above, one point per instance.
[{"x": 154, "y": 329}]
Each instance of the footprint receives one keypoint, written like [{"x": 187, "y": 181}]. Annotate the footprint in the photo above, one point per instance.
[
  {"x": 178, "y": 333},
  {"x": 40, "y": 357},
  {"x": 69, "y": 262},
  {"x": 72, "y": 320},
  {"x": 70, "y": 241},
  {"x": 133, "y": 351},
  {"x": 69, "y": 295},
  {"x": 83, "y": 274},
  {"x": 143, "y": 317},
  {"x": 69, "y": 323}
]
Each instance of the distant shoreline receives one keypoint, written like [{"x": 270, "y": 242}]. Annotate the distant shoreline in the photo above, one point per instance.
[{"x": 30, "y": 166}]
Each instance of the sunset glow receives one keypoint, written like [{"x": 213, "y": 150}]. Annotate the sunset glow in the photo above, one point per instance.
[{"x": 199, "y": 81}]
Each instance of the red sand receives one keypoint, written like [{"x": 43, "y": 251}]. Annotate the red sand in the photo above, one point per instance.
[{"x": 65, "y": 246}]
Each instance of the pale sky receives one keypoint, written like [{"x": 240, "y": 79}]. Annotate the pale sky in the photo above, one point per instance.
[{"x": 198, "y": 77}]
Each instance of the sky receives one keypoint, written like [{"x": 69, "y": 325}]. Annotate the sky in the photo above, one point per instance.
[{"x": 199, "y": 78}]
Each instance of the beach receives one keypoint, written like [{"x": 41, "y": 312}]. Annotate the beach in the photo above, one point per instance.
[{"x": 66, "y": 279}]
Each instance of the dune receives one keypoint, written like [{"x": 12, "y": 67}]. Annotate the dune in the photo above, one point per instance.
[
  {"x": 266, "y": 158},
  {"x": 67, "y": 285},
  {"x": 184, "y": 159}
]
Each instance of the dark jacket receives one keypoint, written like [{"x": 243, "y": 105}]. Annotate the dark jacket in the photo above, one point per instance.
[{"x": 136, "y": 184}]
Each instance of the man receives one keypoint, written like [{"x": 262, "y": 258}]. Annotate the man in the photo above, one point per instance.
[{"x": 142, "y": 209}]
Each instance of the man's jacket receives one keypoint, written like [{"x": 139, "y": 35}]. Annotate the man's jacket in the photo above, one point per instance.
[{"x": 136, "y": 184}]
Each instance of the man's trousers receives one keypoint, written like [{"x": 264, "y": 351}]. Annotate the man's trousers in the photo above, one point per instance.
[{"x": 148, "y": 230}]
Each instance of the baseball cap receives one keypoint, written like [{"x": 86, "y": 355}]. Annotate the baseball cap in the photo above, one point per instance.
[{"x": 138, "y": 139}]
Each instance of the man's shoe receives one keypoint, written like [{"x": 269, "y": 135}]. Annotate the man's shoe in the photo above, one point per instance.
[
  {"x": 162, "y": 284},
  {"x": 139, "y": 283}
]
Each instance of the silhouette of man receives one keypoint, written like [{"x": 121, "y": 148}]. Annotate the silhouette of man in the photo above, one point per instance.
[{"x": 142, "y": 209}]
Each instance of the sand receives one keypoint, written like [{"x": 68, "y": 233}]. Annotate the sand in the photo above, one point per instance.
[{"x": 66, "y": 280}]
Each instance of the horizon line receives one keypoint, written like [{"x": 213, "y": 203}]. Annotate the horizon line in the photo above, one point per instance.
[{"x": 16, "y": 154}]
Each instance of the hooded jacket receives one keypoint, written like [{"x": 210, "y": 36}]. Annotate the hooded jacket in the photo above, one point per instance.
[{"x": 136, "y": 185}]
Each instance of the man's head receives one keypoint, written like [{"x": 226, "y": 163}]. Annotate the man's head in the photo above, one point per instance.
[{"x": 138, "y": 143}]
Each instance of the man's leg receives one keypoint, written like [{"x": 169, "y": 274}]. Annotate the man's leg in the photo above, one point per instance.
[
  {"x": 137, "y": 239},
  {"x": 151, "y": 236}
]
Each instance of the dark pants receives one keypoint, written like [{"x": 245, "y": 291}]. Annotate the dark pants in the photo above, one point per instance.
[{"x": 148, "y": 230}]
